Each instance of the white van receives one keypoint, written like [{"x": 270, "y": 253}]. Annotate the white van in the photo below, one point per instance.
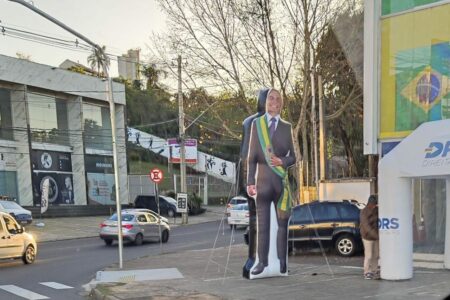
[{"x": 14, "y": 241}]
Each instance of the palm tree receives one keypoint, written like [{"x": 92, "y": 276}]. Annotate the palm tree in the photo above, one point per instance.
[{"x": 99, "y": 60}]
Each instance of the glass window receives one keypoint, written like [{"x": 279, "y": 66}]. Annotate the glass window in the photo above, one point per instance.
[
  {"x": 10, "y": 205},
  {"x": 8, "y": 184},
  {"x": 152, "y": 218},
  {"x": 349, "y": 212},
  {"x": 142, "y": 218},
  {"x": 48, "y": 119},
  {"x": 97, "y": 127},
  {"x": 302, "y": 215},
  {"x": 126, "y": 218},
  {"x": 6, "y": 131},
  {"x": 11, "y": 225},
  {"x": 332, "y": 212}
]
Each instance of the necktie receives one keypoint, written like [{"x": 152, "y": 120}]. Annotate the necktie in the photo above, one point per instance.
[{"x": 272, "y": 126}]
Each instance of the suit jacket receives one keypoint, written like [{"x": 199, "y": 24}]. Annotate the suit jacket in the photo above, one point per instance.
[{"x": 282, "y": 147}]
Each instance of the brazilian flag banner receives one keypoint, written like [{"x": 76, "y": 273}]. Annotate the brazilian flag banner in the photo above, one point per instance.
[{"x": 422, "y": 87}]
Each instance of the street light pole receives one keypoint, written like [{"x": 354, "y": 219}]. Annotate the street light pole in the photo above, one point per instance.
[
  {"x": 183, "y": 186},
  {"x": 112, "y": 112}
]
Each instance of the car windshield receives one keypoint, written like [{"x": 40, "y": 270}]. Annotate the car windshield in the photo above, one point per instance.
[
  {"x": 171, "y": 200},
  {"x": 125, "y": 218},
  {"x": 10, "y": 205},
  {"x": 241, "y": 207}
]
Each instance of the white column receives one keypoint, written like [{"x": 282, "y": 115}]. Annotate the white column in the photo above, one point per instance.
[
  {"x": 371, "y": 52},
  {"x": 447, "y": 225},
  {"x": 19, "y": 119},
  {"x": 121, "y": 154},
  {"x": 395, "y": 223},
  {"x": 74, "y": 112}
]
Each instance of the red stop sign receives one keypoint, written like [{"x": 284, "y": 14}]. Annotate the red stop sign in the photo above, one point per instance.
[{"x": 156, "y": 175}]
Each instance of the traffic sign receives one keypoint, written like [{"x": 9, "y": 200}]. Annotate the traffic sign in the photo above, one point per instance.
[
  {"x": 182, "y": 203},
  {"x": 156, "y": 175}
]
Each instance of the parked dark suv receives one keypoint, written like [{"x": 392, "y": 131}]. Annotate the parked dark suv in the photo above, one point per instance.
[
  {"x": 166, "y": 207},
  {"x": 335, "y": 224}
]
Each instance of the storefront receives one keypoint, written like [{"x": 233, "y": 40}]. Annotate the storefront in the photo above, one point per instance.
[
  {"x": 407, "y": 84},
  {"x": 56, "y": 125}
]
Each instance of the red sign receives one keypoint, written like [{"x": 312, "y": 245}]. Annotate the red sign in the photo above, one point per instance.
[{"x": 156, "y": 175}]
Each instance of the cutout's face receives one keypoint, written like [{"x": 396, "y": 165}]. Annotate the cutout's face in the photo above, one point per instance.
[{"x": 274, "y": 103}]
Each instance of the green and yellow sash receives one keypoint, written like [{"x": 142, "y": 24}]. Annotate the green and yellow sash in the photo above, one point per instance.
[{"x": 285, "y": 201}]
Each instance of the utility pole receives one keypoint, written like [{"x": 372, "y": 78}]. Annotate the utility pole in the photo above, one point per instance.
[
  {"x": 321, "y": 131},
  {"x": 314, "y": 123},
  {"x": 112, "y": 112},
  {"x": 183, "y": 187}
]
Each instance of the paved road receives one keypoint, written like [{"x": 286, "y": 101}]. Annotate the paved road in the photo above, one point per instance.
[{"x": 74, "y": 263}]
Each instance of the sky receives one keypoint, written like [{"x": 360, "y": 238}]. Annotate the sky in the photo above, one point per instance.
[{"x": 118, "y": 24}]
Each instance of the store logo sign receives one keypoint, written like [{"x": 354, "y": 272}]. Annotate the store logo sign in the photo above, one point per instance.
[
  {"x": 388, "y": 223},
  {"x": 437, "y": 149}
]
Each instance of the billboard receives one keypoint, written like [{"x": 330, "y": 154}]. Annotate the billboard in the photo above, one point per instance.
[
  {"x": 415, "y": 70},
  {"x": 190, "y": 148},
  {"x": 100, "y": 179},
  {"x": 57, "y": 168}
]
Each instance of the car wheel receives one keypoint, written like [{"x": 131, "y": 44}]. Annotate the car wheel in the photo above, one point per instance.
[
  {"x": 171, "y": 213},
  {"x": 232, "y": 226},
  {"x": 165, "y": 236},
  {"x": 345, "y": 245},
  {"x": 30, "y": 255},
  {"x": 138, "y": 239},
  {"x": 108, "y": 242}
]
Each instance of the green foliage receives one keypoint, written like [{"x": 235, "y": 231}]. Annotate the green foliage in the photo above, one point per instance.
[
  {"x": 77, "y": 69},
  {"x": 99, "y": 60},
  {"x": 152, "y": 111}
]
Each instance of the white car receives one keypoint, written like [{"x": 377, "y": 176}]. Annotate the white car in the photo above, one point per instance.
[
  {"x": 239, "y": 215},
  {"x": 14, "y": 241},
  {"x": 235, "y": 201},
  {"x": 22, "y": 215}
]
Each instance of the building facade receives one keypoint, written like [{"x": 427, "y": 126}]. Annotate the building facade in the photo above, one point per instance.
[
  {"x": 128, "y": 65},
  {"x": 56, "y": 124}
]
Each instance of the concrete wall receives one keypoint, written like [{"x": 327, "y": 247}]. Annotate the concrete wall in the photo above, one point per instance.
[
  {"x": 74, "y": 108},
  {"x": 358, "y": 189},
  {"x": 51, "y": 78},
  {"x": 22, "y": 143}
]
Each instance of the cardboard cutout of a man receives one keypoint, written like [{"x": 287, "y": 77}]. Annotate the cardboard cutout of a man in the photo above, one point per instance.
[
  {"x": 247, "y": 126},
  {"x": 271, "y": 152}
]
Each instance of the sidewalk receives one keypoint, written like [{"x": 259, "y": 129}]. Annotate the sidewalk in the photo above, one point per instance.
[
  {"x": 82, "y": 227},
  {"x": 216, "y": 274}
]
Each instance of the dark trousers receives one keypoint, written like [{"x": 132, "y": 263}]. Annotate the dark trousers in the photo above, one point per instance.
[{"x": 269, "y": 191}]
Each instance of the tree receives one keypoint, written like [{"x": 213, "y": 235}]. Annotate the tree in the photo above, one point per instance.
[
  {"x": 241, "y": 46},
  {"x": 153, "y": 75},
  {"x": 99, "y": 60},
  {"x": 340, "y": 62}
]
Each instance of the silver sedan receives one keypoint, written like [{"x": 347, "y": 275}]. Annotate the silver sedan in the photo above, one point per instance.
[{"x": 137, "y": 226}]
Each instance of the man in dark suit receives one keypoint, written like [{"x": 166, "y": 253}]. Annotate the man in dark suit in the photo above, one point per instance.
[
  {"x": 242, "y": 179},
  {"x": 271, "y": 152}
]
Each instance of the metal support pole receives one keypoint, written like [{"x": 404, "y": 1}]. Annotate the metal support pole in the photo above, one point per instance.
[
  {"x": 183, "y": 187},
  {"x": 112, "y": 112}
]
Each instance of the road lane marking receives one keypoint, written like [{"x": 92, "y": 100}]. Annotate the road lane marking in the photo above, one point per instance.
[
  {"x": 22, "y": 292},
  {"x": 56, "y": 285}
]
